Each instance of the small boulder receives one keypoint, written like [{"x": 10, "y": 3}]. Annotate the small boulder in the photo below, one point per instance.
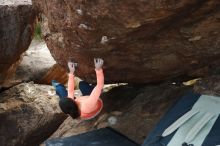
[{"x": 28, "y": 115}]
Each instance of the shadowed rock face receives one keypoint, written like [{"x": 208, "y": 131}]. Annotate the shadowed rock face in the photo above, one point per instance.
[
  {"x": 28, "y": 115},
  {"x": 131, "y": 110},
  {"x": 140, "y": 41},
  {"x": 16, "y": 31},
  {"x": 135, "y": 110}
]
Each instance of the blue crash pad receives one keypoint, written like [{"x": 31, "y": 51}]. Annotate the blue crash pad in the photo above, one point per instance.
[
  {"x": 182, "y": 106},
  {"x": 101, "y": 137}
]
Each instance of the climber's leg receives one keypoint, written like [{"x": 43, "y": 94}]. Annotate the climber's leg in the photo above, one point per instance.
[
  {"x": 85, "y": 88},
  {"x": 60, "y": 89}
]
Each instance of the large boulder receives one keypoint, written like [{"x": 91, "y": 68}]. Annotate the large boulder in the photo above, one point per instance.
[
  {"x": 140, "y": 41},
  {"x": 29, "y": 114},
  {"x": 16, "y": 31}
]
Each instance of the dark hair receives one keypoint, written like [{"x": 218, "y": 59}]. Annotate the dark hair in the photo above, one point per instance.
[{"x": 68, "y": 106}]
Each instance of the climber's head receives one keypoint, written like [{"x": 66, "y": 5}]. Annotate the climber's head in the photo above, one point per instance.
[{"x": 68, "y": 106}]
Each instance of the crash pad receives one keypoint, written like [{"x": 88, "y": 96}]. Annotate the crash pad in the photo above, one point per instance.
[{"x": 101, "y": 137}]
